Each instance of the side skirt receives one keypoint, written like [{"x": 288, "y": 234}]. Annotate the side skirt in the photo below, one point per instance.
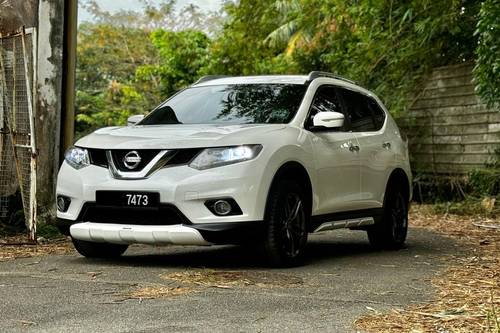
[{"x": 356, "y": 219}]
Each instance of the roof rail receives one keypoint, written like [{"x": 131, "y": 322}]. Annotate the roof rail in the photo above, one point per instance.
[
  {"x": 210, "y": 78},
  {"x": 315, "y": 74}
]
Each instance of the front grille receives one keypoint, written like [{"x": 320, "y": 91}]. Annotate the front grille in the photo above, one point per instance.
[
  {"x": 98, "y": 157},
  {"x": 165, "y": 214},
  {"x": 181, "y": 157},
  {"x": 146, "y": 156}
]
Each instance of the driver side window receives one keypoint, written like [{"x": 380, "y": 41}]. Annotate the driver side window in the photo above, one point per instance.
[{"x": 325, "y": 100}]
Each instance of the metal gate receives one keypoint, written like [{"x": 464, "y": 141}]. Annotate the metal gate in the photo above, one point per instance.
[{"x": 17, "y": 123}]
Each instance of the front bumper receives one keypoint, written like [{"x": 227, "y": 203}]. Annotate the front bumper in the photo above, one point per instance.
[
  {"x": 183, "y": 188},
  {"x": 130, "y": 234},
  {"x": 205, "y": 234}
]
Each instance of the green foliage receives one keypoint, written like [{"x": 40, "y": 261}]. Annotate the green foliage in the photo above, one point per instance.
[
  {"x": 182, "y": 57},
  {"x": 128, "y": 62},
  {"x": 384, "y": 45},
  {"x": 107, "y": 58},
  {"x": 469, "y": 206},
  {"x": 48, "y": 231},
  {"x": 484, "y": 182},
  {"x": 125, "y": 71},
  {"x": 241, "y": 49},
  {"x": 487, "y": 69}
]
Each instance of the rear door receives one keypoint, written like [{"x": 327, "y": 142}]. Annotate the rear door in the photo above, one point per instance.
[
  {"x": 336, "y": 159},
  {"x": 375, "y": 152}
]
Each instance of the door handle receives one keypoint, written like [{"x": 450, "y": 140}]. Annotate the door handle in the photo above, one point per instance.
[
  {"x": 386, "y": 145},
  {"x": 353, "y": 148}
]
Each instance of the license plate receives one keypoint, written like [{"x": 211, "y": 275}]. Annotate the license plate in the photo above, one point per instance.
[
  {"x": 128, "y": 199},
  {"x": 137, "y": 200}
]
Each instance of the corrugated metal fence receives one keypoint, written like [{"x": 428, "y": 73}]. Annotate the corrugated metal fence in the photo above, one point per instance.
[{"x": 450, "y": 130}]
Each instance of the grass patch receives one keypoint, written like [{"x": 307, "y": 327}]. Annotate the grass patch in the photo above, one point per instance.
[
  {"x": 485, "y": 206},
  {"x": 48, "y": 231}
]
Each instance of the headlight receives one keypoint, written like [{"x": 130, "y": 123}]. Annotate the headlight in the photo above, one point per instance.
[
  {"x": 215, "y": 157},
  {"x": 77, "y": 157}
]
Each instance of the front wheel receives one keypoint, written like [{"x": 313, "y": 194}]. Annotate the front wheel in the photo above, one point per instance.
[
  {"x": 98, "y": 250},
  {"x": 286, "y": 230},
  {"x": 390, "y": 233}
]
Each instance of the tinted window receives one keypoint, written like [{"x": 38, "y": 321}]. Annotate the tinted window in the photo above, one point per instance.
[
  {"x": 230, "y": 104},
  {"x": 325, "y": 100},
  {"x": 378, "y": 113},
  {"x": 358, "y": 111}
]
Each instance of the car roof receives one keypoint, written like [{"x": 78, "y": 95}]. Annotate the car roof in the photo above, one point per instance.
[
  {"x": 280, "y": 79},
  {"x": 256, "y": 79}
]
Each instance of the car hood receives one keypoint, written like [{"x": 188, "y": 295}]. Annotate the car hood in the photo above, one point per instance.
[{"x": 178, "y": 136}]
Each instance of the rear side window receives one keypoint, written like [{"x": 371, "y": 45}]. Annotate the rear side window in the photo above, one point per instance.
[{"x": 363, "y": 112}]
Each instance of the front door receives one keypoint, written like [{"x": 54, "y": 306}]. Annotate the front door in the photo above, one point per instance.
[{"x": 336, "y": 157}]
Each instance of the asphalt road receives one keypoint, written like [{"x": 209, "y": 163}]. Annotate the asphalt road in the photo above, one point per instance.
[{"x": 342, "y": 279}]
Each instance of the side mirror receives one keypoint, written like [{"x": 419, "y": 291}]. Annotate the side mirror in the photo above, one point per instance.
[
  {"x": 132, "y": 120},
  {"x": 329, "y": 119}
]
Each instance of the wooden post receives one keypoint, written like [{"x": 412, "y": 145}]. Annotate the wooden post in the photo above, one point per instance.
[{"x": 69, "y": 52}]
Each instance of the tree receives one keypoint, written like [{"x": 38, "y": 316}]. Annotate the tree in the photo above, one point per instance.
[
  {"x": 182, "y": 58},
  {"x": 487, "y": 70},
  {"x": 240, "y": 47},
  {"x": 384, "y": 45},
  {"x": 154, "y": 16},
  {"x": 126, "y": 65},
  {"x": 107, "y": 59}
]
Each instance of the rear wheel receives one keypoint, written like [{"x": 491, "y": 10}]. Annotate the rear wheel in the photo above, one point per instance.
[
  {"x": 391, "y": 232},
  {"x": 98, "y": 250},
  {"x": 287, "y": 220}
]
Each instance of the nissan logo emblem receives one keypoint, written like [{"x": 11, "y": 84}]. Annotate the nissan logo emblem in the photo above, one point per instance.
[{"x": 131, "y": 160}]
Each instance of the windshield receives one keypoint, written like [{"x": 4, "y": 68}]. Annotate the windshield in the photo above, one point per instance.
[{"x": 230, "y": 104}]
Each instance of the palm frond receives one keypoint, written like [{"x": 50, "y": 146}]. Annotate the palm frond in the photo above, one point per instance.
[
  {"x": 286, "y": 7},
  {"x": 282, "y": 34}
]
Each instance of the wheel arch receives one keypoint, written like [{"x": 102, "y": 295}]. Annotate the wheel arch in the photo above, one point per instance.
[
  {"x": 399, "y": 177},
  {"x": 295, "y": 171}
]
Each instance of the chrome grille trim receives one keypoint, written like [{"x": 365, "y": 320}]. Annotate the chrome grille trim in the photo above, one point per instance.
[{"x": 158, "y": 162}]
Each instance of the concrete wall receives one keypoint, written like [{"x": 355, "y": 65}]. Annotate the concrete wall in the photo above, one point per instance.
[
  {"x": 15, "y": 14},
  {"x": 450, "y": 130}
]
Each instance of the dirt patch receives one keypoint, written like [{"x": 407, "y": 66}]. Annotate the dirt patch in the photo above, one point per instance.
[
  {"x": 468, "y": 292},
  {"x": 229, "y": 279},
  {"x": 20, "y": 247}
]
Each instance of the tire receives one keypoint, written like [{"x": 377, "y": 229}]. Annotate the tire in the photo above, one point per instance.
[
  {"x": 390, "y": 233},
  {"x": 287, "y": 217},
  {"x": 98, "y": 250}
]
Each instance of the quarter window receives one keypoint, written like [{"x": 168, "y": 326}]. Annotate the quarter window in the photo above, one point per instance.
[{"x": 378, "y": 113}]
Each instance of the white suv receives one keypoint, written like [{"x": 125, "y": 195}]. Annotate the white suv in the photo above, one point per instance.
[{"x": 258, "y": 159}]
